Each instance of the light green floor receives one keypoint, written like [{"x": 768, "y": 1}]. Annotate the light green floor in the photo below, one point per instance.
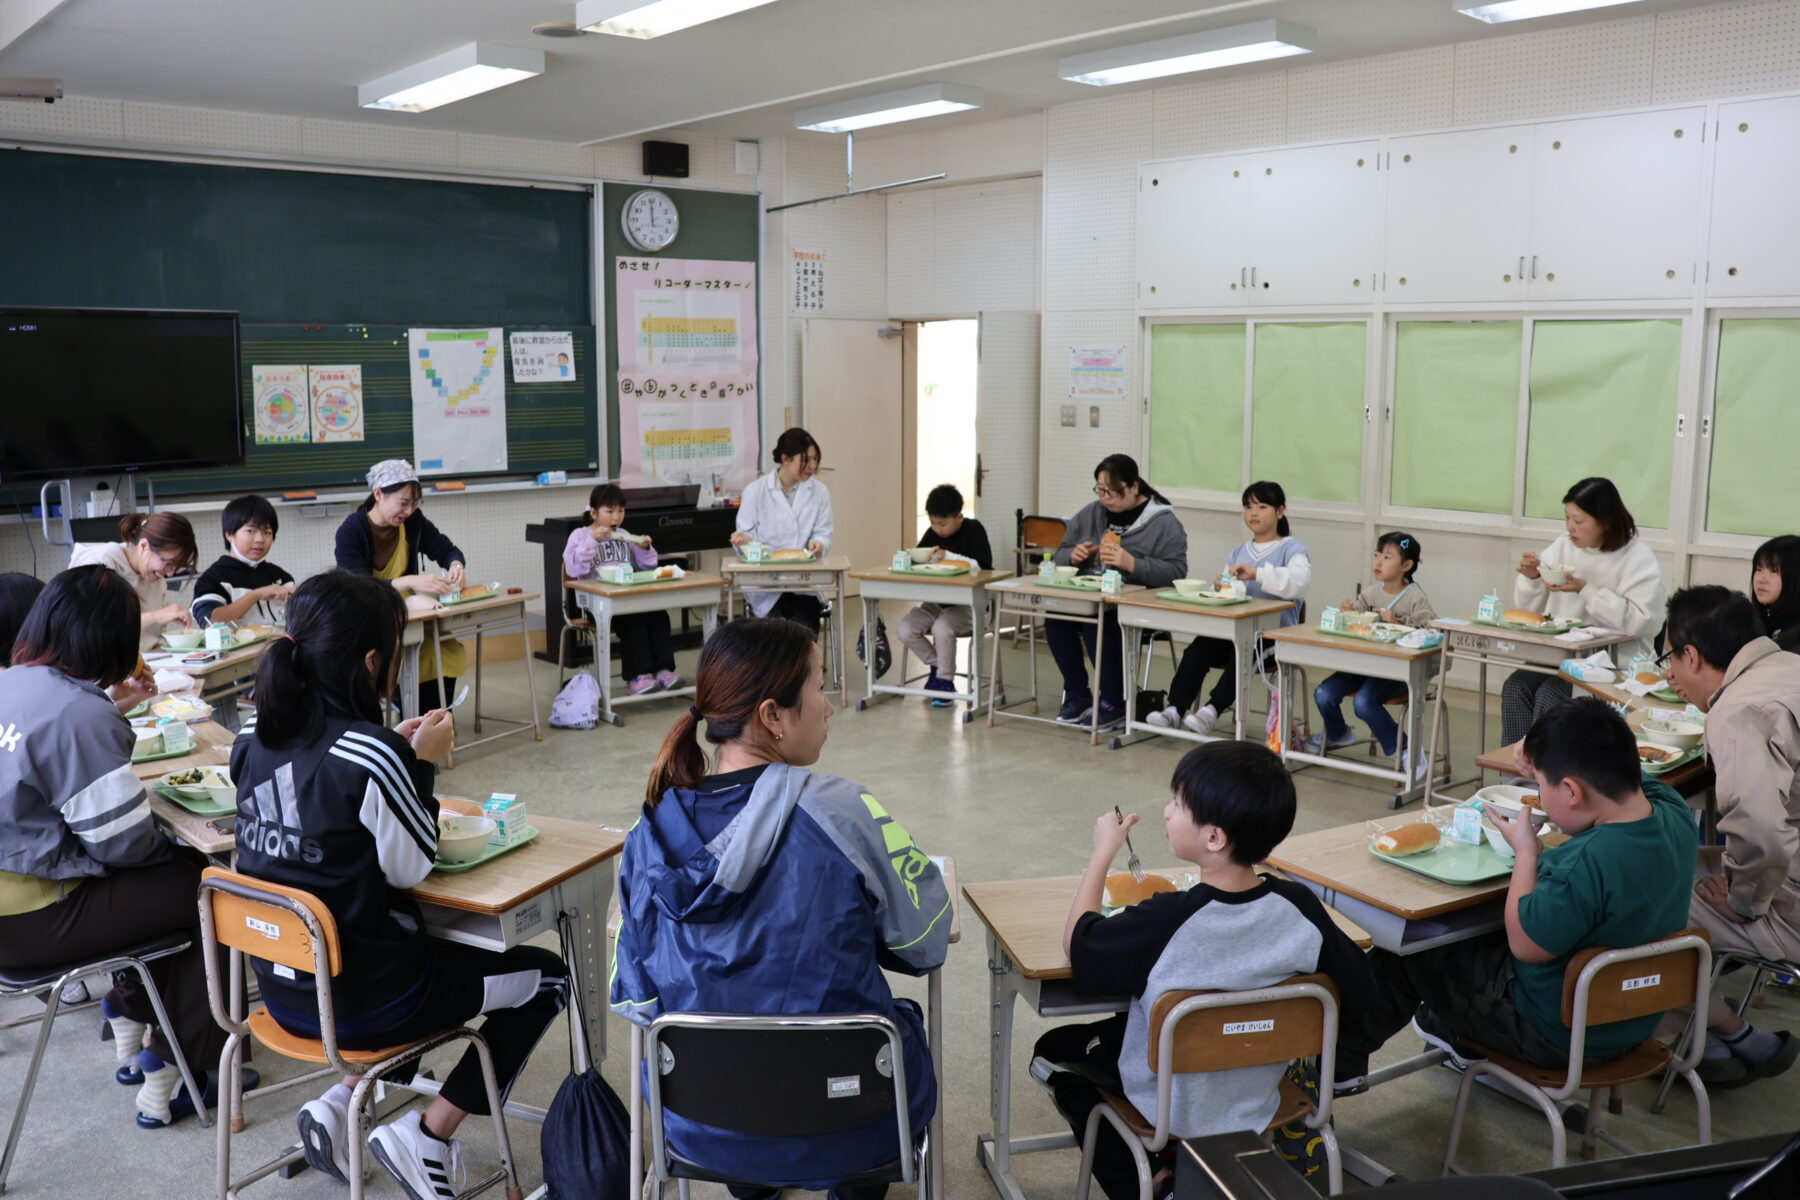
[{"x": 1010, "y": 802}]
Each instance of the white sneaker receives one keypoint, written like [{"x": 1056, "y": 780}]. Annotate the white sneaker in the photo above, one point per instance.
[
  {"x": 1201, "y": 720},
  {"x": 1168, "y": 718},
  {"x": 324, "y": 1136},
  {"x": 424, "y": 1167},
  {"x": 1418, "y": 770},
  {"x": 1316, "y": 744}
]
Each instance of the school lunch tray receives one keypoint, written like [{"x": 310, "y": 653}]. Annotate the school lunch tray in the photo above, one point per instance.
[
  {"x": 940, "y": 570},
  {"x": 1453, "y": 862},
  {"x": 1549, "y": 627},
  {"x": 1204, "y": 601},
  {"x": 779, "y": 562},
  {"x": 162, "y": 754},
  {"x": 637, "y": 577},
  {"x": 1069, "y": 585},
  {"x": 204, "y": 806},
  {"x": 492, "y": 595},
  {"x": 488, "y": 854},
  {"x": 1680, "y": 760},
  {"x": 1367, "y": 637}
]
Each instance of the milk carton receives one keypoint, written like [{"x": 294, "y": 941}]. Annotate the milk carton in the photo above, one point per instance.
[
  {"x": 1332, "y": 620},
  {"x": 614, "y": 572},
  {"x": 218, "y": 636},
  {"x": 1111, "y": 582},
  {"x": 902, "y": 561},
  {"x": 177, "y": 738},
  {"x": 1465, "y": 824},
  {"x": 507, "y": 812},
  {"x": 1489, "y": 608},
  {"x": 753, "y": 552}
]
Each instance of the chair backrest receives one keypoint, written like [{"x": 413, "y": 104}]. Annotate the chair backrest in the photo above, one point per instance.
[
  {"x": 1041, "y": 533},
  {"x": 270, "y": 921},
  {"x": 1635, "y": 981},
  {"x": 776, "y": 1075},
  {"x": 571, "y": 609},
  {"x": 1243, "y": 1029}
]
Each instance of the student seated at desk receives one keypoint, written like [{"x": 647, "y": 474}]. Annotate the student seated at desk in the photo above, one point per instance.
[
  {"x": 643, "y": 637},
  {"x": 762, "y": 887},
  {"x": 1232, "y": 803},
  {"x": 788, "y": 509},
  {"x": 1776, "y": 560},
  {"x": 1620, "y": 880},
  {"x": 149, "y": 550},
  {"x": 84, "y": 872},
  {"x": 334, "y": 803},
  {"x": 1746, "y": 897},
  {"x": 1272, "y": 565},
  {"x": 1131, "y": 529},
  {"x": 1394, "y": 597},
  {"x": 242, "y": 582},
  {"x": 1614, "y": 580},
  {"x": 385, "y": 538},
  {"x": 930, "y": 630}
]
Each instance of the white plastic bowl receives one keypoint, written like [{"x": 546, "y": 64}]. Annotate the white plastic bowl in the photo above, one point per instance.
[
  {"x": 1192, "y": 587},
  {"x": 1556, "y": 576},
  {"x": 921, "y": 554},
  {"x": 217, "y": 785},
  {"x": 461, "y": 838},
  {"x": 183, "y": 638},
  {"x": 1506, "y": 798},
  {"x": 1498, "y": 844},
  {"x": 1667, "y": 731},
  {"x": 1067, "y": 572}
]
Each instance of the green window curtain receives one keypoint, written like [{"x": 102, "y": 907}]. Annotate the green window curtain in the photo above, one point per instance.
[
  {"x": 1603, "y": 403},
  {"x": 1307, "y": 400},
  {"x": 1456, "y": 385},
  {"x": 1756, "y": 419},
  {"x": 1197, "y": 407}
]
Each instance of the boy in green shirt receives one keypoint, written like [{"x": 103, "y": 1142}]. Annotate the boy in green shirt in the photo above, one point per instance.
[{"x": 1620, "y": 880}]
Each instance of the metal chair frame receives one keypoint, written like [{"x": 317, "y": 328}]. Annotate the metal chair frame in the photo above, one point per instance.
[{"x": 1722, "y": 962}]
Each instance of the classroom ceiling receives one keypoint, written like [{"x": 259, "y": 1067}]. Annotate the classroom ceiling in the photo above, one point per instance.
[{"x": 740, "y": 77}]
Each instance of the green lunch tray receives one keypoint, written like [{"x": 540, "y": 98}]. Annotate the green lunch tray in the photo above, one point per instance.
[
  {"x": 1553, "y": 628},
  {"x": 1665, "y": 692},
  {"x": 487, "y": 855},
  {"x": 1204, "y": 601},
  {"x": 205, "y": 806},
  {"x": 1069, "y": 585},
  {"x": 939, "y": 571},
  {"x": 1453, "y": 862},
  {"x": 496, "y": 595},
  {"x": 162, "y": 754},
  {"x": 1360, "y": 637},
  {"x": 638, "y": 577},
  {"x": 1665, "y": 768}
]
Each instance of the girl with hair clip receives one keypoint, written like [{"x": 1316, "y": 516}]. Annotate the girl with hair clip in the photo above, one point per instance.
[
  {"x": 1273, "y": 565},
  {"x": 1132, "y": 529},
  {"x": 1396, "y": 598},
  {"x": 758, "y": 886},
  {"x": 151, "y": 547},
  {"x": 334, "y": 803},
  {"x": 1776, "y": 561},
  {"x": 788, "y": 509}
]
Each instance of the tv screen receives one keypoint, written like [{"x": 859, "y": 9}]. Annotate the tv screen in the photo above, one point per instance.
[{"x": 87, "y": 391}]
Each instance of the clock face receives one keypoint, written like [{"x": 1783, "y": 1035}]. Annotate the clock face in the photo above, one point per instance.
[{"x": 650, "y": 220}]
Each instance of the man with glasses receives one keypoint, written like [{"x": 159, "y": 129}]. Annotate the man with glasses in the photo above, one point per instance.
[{"x": 1747, "y": 893}]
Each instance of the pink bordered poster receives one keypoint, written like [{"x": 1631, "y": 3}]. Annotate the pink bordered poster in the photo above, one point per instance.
[{"x": 686, "y": 332}]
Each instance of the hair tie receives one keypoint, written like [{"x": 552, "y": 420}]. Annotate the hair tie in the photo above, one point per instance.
[
  {"x": 290, "y": 638},
  {"x": 694, "y": 711}
]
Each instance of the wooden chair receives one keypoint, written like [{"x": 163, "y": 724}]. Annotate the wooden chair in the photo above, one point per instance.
[
  {"x": 1724, "y": 961},
  {"x": 1600, "y": 987},
  {"x": 1032, "y": 537},
  {"x": 293, "y": 929},
  {"x": 1205, "y": 1031}
]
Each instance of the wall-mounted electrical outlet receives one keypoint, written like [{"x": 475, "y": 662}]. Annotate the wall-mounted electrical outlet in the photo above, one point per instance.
[
  {"x": 1068, "y": 416},
  {"x": 1093, "y": 416}
]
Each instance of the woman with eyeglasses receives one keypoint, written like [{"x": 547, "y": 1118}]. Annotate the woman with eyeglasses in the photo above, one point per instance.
[
  {"x": 151, "y": 547},
  {"x": 1130, "y": 529}
]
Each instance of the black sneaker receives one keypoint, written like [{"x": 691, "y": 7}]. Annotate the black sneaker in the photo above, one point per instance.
[
  {"x": 1111, "y": 715},
  {"x": 1075, "y": 712},
  {"x": 1436, "y": 1035}
]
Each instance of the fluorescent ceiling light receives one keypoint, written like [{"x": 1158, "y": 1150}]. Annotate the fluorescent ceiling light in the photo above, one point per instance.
[
  {"x": 463, "y": 72},
  {"x": 1496, "y": 11},
  {"x": 908, "y": 104},
  {"x": 638, "y": 19},
  {"x": 1193, "y": 52}
]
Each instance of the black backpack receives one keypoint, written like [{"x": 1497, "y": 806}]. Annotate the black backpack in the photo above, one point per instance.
[{"x": 586, "y": 1142}]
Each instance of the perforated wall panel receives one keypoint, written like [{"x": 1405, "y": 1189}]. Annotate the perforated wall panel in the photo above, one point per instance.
[
  {"x": 911, "y": 254},
  {"x": 1090, "y": 201},
  {"x": 359, "y": 142},
  {"x": 214, "y": 127},
  {"x": 1066, "y": 456},
  {"x": 1586, "y": 68},
  {"x": 1010, "y": 346},
  {"x": 1727, "y": 49},
  {"x": 483, "y": 152},
  {"x": 1215, "y": 115},
  {"x": 1415, "y": 90},
  {"x": 75, "y": 116}
]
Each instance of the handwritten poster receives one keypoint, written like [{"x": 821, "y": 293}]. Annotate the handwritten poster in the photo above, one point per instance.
[
  {"x": 1096, "y": 372},
  {"x": 280, "y": 404},
  {"x": 337, "y": 403},
  {"x": 809, "y": 281},
  {"x": 539, "y": 357},
  {"x": 686, "y": 332},
  {"x": 458, "y": 399}
]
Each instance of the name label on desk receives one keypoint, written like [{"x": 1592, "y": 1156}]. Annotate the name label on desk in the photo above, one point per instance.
[
  {"x": 1643, "y": 981},
  {"x": 528, "y": 919},
  {"x": 842, "y": 1087},
  {"x": 1232, "y": 1027}
]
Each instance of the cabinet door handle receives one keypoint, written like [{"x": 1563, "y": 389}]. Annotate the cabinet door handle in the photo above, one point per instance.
[
  {"x": 1252, "y": 278},
  {"x": 1242, "y": 285},
  {"x": 1521, "y": 275},
  {"x": 1534, "y": 259}
]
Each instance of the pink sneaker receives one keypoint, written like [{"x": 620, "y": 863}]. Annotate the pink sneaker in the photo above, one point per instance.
[
  {"x": 670, "y": 680},
  {"x": 640, "y": 685}
]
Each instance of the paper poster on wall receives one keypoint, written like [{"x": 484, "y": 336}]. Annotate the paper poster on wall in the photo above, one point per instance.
[
  {"x": 686, "y": 331},
  {"x": 280, "y": 404},
  {"x": 1097, "y": 372},
  {"x": 337, "y": 404},
  {"x": 458, "y": 400},
  {"x": 809, "y": 281},
  {"x": 539, "y": 357}
]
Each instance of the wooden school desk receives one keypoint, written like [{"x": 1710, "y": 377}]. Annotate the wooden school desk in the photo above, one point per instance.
[
  {"x": 604, "y": 601},
  {"x": 773, "y": 578},
  {"x": 1024, "y": 919},
  {"x": 477, "y": 618},
  {"x": 1028, "y": 599},
  {"x": 230, "y": 675},
  {"x": 948, "y": 591},
  {"x": 1509, "y": 649},
  {"x": 1303, "y": 646},
  {"x": 212, "y": 748},
  {"x": 1239, "y": 624}
]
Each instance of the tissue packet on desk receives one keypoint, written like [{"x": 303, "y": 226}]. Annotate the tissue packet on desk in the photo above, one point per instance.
[
  {"x": 1422, "y": 639},
  {"x": 1595, "y": 668}
]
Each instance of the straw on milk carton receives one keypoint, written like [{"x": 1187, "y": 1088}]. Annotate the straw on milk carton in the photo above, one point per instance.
[{"x": 507, "y": 812}]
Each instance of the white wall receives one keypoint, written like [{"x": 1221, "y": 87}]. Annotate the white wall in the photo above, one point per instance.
[{"x": 959, "y": 251}]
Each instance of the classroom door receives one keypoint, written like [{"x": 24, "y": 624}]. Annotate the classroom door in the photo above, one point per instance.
[
  {"x": 851, "y": 403},
  {"x": 1006, "y": 427}
]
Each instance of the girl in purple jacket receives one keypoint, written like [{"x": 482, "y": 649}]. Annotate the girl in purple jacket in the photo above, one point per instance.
[{"x": 644, "y": 646}]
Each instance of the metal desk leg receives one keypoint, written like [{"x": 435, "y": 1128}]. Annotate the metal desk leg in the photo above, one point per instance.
[
  {"x": 636, "y": 1105},
  {"x": 537, "y": 724},
  {"x": 1437, "y": 726},
  {"x": 1246, "y": 654},
  {"x": 837, "y": 616},
  {"x": 868, "y": 635},
  {"x": 934, "y": 1033},
  {"x": 603, "y": 661},
  {"x": 995, "y": 1152},
  {"x": 993, "y": 671},
  {"x": 709, "y": 620},
  {"x": 1099, "y": 658}
]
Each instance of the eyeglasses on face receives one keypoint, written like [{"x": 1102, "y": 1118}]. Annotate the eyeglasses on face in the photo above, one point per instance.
[{"x": 1108, "y": 493}]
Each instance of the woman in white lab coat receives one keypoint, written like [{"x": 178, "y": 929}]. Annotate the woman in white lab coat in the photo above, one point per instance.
[{"x": 788, "y": 509}]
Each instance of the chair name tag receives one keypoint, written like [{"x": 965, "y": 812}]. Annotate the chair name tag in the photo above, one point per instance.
[
  {"x": 842, "y": 1087},
  {"x": 268, "y": 929},
  {"x": 1632, "y": 985},
  {"x": 1249, "y": 1027}
]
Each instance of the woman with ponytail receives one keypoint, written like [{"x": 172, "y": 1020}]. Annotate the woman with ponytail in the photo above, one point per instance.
[
  {"x": 754, "y": 885},
  {"x": 151, "y": 547},
  {"x": 333, "y": 802}
]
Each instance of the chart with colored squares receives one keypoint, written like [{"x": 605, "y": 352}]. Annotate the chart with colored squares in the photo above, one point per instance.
[
  {"x": 458, "y": 400},
  {"x": 281, "y": 404}
]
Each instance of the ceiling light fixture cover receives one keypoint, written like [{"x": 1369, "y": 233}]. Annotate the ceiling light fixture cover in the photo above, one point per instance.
[
  {"x": 463, "y": 72},
  {"x": 908, "y": 104},
  {"x": 1496, "y": 11},
  {"x": 1207, "y": 51},
  {"x": 638, "y": 19}
]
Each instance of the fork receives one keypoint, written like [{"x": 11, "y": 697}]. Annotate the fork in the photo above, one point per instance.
[{"x": 1131, "y": 860}]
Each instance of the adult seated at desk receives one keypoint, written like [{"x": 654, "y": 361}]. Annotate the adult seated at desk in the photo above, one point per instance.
[
  {"x": 762, "y": 887},
  {"x": 1620, "y": 880},
  {"x": 1231, "y": 804},
  {"x": 384, "y": 538},
  {"x": 1131, "y": 529},
  {"x": 150, "y": 549},
  {"x": 1746, "y": 897},
  {"x": 788, "y": 509},
  {"x": 83, "y": 871},
  {"x": 332, "y": 802}
]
